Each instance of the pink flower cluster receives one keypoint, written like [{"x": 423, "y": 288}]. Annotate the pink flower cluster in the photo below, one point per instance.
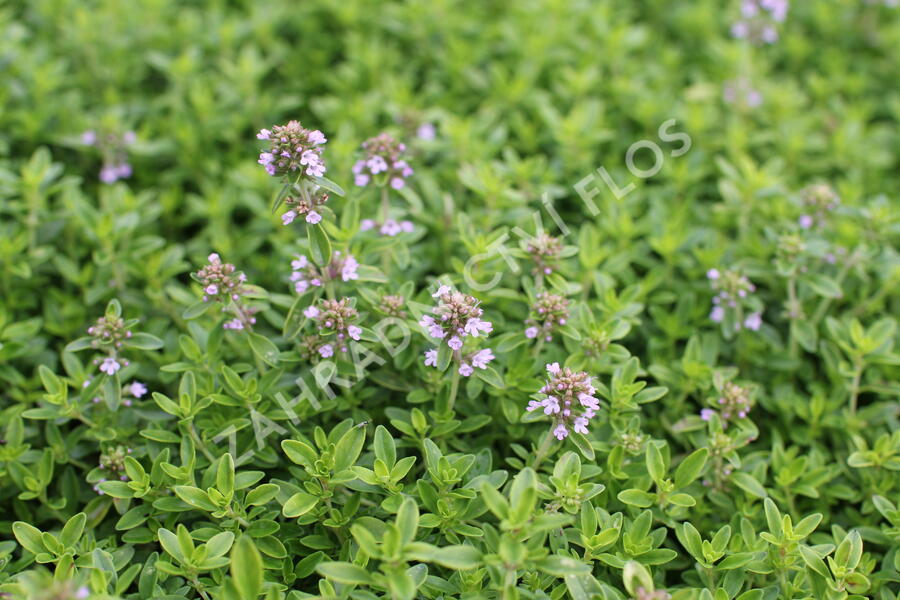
[
  {"x": 759, "y": 20},
  {"x": 734, "y": 402},
  {"x": 223, "y": 283},
  {"x": 733, "y": 293},
  {"x": 305, "y": 274},
  {"x": 569, "y": 399},
  {"x": 109, "y": 333},
  {"x": 334, "y": 318},
  {"x": 741, "y": 93},
  {"x": 115, "y": 153},
  {"x": 293, "y": 149},
  {"x": 304, "y": 205},
  {"x": 819, "y": 200},
  {"x": 457, "y": 317},
  {"x": 390, "y": 227},
  {"x": 545, "y": 251},
  {"x": 383, "y": 162},
  {"x": 549, "y": 312}
]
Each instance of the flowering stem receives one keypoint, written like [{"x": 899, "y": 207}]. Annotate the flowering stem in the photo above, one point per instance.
[
  {"x": 385, "y": 209},
  {"x": 454, "y": 388},
  {"x": 542, "y": 450},
  {"x": 538, "y": 347},
  {"x": 793, "y": 312}
]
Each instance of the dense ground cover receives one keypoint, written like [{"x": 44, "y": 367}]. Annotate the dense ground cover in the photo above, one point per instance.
[{"x": 608, "y": 312}]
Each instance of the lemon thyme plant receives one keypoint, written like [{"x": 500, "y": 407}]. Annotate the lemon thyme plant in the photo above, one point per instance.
[{"x": 584, "y": 300}]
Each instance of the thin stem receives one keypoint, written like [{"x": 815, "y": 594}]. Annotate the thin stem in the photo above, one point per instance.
[
  {"x": 542, "y": 450},
  {"x": 454, "y": 389},
  {"x": 793, "y": 312},
  {"x": 859, "y": 365},
  {"x": 385, "y": 210}
]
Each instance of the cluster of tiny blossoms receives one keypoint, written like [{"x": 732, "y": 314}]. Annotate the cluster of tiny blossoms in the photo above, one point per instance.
[
  {"x": 548, "y": 312},
  {"x": 390, "y": 227},
  {"x": 733, "y": 290},
  {"x": 383, "y": 162},
  {"x": 222, "y": 283},
  {"x": 734, "y": 402},
  {"x": 456, "y": 317},
  {"x": 293, "y": 149},
  {"x": 818, "y": 200},
  {"x": 569, "y": 399},
  {"x": 334, "y": 317},
  {"x": 115, "y": 154},
  {"x": 741, "y": 93},
  {"x": 392, "y": 306},
  {"x": 305, "y": 274},
  {"x": 305, "y": 204},
  {"x": 544, "y": 250},
  {"x": 113, "y": 463},
  {"x": 759, "y": 20},
  {"x": 109, "y": 332}
]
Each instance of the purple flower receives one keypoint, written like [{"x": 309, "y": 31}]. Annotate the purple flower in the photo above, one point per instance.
[
  {"x": 531, "y": 332},
  {"x": 313, "y": 217},
  {"x": 137, "y": 389},
  {"x": 109, "y": 174},
  {"x": 707, "y": 413},
  {"x": 431, "y": 357},
  {"x": 753, "y": 321},
  {"x": 553, "y": 368},
  {"x": 561, "y": 432},
  {"x": 234, "y": 324},
  {"x": 712, "y": 274},
  {"x": 354, "y": 332},
  {"x": 806, "y": 221},
  {"x": 481, "y": 358},
  {"x": 717, "y": 315},
  {"x": 311, "y": 312},
  {"x": 382, "y": 155},
  {"x": 110, "y": 366},
  {"x": 426, "y": 131},
  {"x": 89, "y": 137},
  {"x": 465, "y": 369},
  {"x": 326, "y": 351},
  {"x": 292, "y": 148},
  {"x": 455, "y": 343},
  {"x": 288, "y": 217}
]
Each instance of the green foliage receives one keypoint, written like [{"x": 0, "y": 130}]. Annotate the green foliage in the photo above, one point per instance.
[{"x": 750, "y": 456}]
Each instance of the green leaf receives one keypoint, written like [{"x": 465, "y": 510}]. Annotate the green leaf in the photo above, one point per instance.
[
  {"x": 823, "y": 285},
  {"x": 246, "y": 569},
  {"x": 319, "y": 244},
  {"x": 299, "y": 504},
  {"x": 348, "y": 448},
  {"x": 144, "y": 341},
  {"x": 408, "y": 520},
  {"x": 264, "y": 348},
  {"x": 690, "y": 468},
  {"x": 637, "y": 498},
  {"x": 72, "y": 530},
  {"x": 560, "y": 566},
  {"x": 29, "y": 537},
  {"x": 749, "y": 484},
  {"x": 262, "y": 494},
  {"x": 344, "y": 572},
  {"x": 329, "y": 185},
  {"x": 195, "y": 310},
  {"x": 194, "y": 496},
  {"x": 655, "y": 465}
]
